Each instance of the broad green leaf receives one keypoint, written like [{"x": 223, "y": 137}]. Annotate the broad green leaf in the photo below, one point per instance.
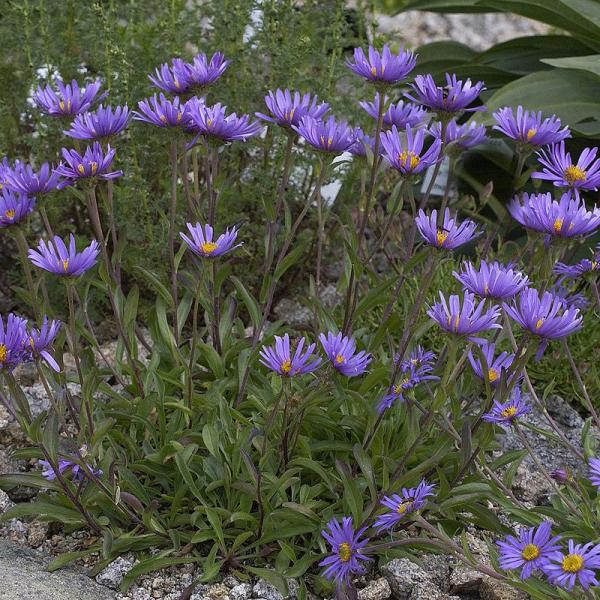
[{"x": 583, "y": 63}]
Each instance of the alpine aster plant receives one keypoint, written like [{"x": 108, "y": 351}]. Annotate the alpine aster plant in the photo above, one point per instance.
[
  {"x": 14, "y": 207},
  {"x": 54, "y": 256},
  {"x": 401, "y": 114},
  {"x": 506, "y": 413},
  {"x": 212, "y": 122},
  {"x": 202, "y": 243},
  {"x": 13, "y": 339},
  {"x": 341, "y": 352},
  {"x": 326, "y": 136},
  {"x": 40, "y": 341},
  {"x": 25, "y": 180},
  {"x": 94, "y": 163},
  {"x": 450, "y": 234},
  {"x": 100, "y": 124},
  {"x": 385, "y": 67},
  {"x": 583, "y": 267},
  {"x": 594, "y": 471},
  {"x": 576, "y": 566},
  {"x": 529, "y": 128},
  {"x": 162, "y": 112},
  {"x": 287, "y": 110},
  {"x": 494, "y": 365},
  {"x": 459, "y": 137},
  {"x": 173, "y": 78},
  {"x": 493, "y": 280},
  {"x": 401, "y": 505},
  {"x": 279, "y": 357},
  {"x": 404, "y": 152},
  {"x": 67, "y": 100}
]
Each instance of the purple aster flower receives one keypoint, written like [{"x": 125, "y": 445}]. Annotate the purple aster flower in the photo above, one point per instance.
[
  {"x": 279, "y": 358},
  {"x": 14, "y": 207},
  {"x": 346, "y": 553},
  {"x": 326, "y": 136},
  {"x": 460, "y": 137},
  {"x": 212, "y": 122},
  {"x": 173, "y": 79},
  {"x": 450, "y": 234},
  {"x": 562, "y": 476},
  {"x": 493, "y": 365},
  {"x": 568, "y": 299},
  {"x": 162, "y": 112},
  {"x": 340, "y": 350},
  {"x": 358, "y": 148},
  {"x": 576, "y": 566},
  {"x": 69, "y": 100},
  {"x": 565, "y": 218},
  {"x": 401, "y": 505},
  {"x": 40, "y": 340},
  {"x": 100, "y": 124},
  {"x": 67, "y": 465},
  {"x": 505, "y": 413},
  {"x": 405, "y": 153},
  {"x": 5, "y": 171},
  {"x": 288, "y": 110},
  {"x": 495, "y": 280},
  {"x": 418, "y": 358},
  {"x": 22, "y": 178},
  {"x": 12, "y": 341},
  {"x": 528, "y": 128},
  {"x": 560, "y": 169},
  {"x": 401, "y": 114},
  {"x": 454, "y": 97},
  {"x": 55, "y": 257},
  {"x": 468, "y": 319},
  {"x": 543, "y": 316},
  {"x": 382, "y": 67},
  {"x": 94, "y": 163},
  {"x": 530, "y": 551},
  {"x": 203, "y": 72},
  {"x": 202, "y": 243},
  {"x": 583, "y": 267},
  {"x": 594, "y": 464}
]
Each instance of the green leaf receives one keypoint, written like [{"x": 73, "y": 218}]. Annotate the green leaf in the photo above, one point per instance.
[
  {"x": 589, "y": 63},
  {"x": 248, "y": 300}
]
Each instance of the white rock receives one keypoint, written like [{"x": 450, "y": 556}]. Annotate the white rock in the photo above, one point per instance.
[{"x": 113, "y": 574}]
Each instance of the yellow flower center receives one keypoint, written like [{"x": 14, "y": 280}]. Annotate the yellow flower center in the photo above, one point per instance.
[
  {"x": 326, "y": 143},
  {"x": 286, "y": 366},
  {"x": 3, "y": 353},
  {"x": 404, "y": 507},
  {"x": 409, "y": 158},
  {"x": 208, "y": 247},
  {"x": 176, "y": 83},
  {"x": 81, "y": 169},
  {"x": 163, "y": 118},
  {"x": 539, "y": 323},
  {"x": 530, "y": 552},
  {"x": 61, "y": 105},
  {"x": 344, "y": 551},
  {"x": 373, "y": 71},
  {"x": 594, "y": 265},
  {"x": 9, "y": 214},
  {"x": 31, "y": 343},
  {"x": 531, "y": 133},
  {"x": 93, "y": 167},
  {"x": 339, "y": 359},
  {"x": 509, "y": 412},
  {"x": 456, "y": 322},
  {"x": 179, "y": 115},
  {"x": 493, "y": 375},
  {"x": 572, "y": 563},
  {"x": 486, "y": 289},
  {"x": 209, "y": 122},
  {"x": 558, "y": 223},
  {"x": 65, "y": 264},
  {"x": 573, "y": 174},
  {"x": 440, "y": 237}
]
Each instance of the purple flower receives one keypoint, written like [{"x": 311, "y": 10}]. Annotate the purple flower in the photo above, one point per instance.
[
  {"x": 530, "y": 551},
  {"x": 14, "y": 207},
  {"x": 326, "y": 136},
  {"x": 543, "y": 316},
  {"x": 576, "y": 566},
  {"x": 468, "y": 319},
  {"x": 402, "y": 114},
  {"x": 40, "y": 340},
  {"x": 287, "y": 110},
  {"x": 405, "y": 153},
  {"x": 212, "y": 122},
  {"x": 401, "y": 505},
  {"x": 583, "y": 267},
  {"x": 562, "y": 172},
  {"x": 494, "y": 366},
  {"x": 340, "y": 350},
  {"x": 568, "y": 299},
  {"x": 22, "y": 178},
  {"x": 69, "y": 100},
  {"x": 162, "y": 112},
  {"x": 12, "y": 341},
  {"x": 565, "y": 218},
  {"x": 562, "y": 476},
  {"x": 278, "y": 358},
  {"x": 454, "y": 97},
  {"x": 358, "y": 148},
  {"x": 528, "y": 128},
  {"x": 100, "y": 124},
  {"x": 495, "y": 280},
  {"x": 450, "y": 234},
  {"x": 55, "y": 257},
  {"x": 94, "y": 163},
  {"x": 382, "y": 67},
  {"x": 346, "y": 554},
  {"x": 418, "y": 358},
  {"x": 174, "y": 79},
  {"x": 460, "y": 137},
  {"x": 594, "y": 464},
  {"x": 203, "y": 72},
  {"x": 77, "y": 472},
  {"x": 505, "y": 413},
  {"x": 202, "y": 243}
]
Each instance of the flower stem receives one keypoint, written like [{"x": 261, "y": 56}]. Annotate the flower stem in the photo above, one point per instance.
[{"x": 171, "y": 236}]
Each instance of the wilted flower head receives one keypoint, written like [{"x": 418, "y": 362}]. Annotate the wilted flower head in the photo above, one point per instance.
[
  {"x": 68, "y": 100},
  {"x": 454, "y": 97},
  {"x": 450, "y": 234},
  {"x": 494, "y": 365},
  {"x": 67, "y": 466},
  {"x": 564, "y": 218},
  {"x": 12, "y": 341},
  {"x": 382, "y": 67},
  {"x": 544, "y": 315},
  {"x": 530, "y": 551},
  {"x": 583, "y": 267},
  {"x": 326, "y": 136},
  {"x": 401, "y": 114},
  {"x": 492, "y": 280},
  {"x": 287, "y": 110},
  {"x": 279, "y": 358},
  {"x": 162, "y": 112},
  {"x": 400, "y": 505},
  {"x": 505, "y": 413},
  {"x": 100, "y": 124},
  {"x": 562, "y": 476},
  {"x": 14, "y": 207},
  {"x": 203, "y": 72},
  {"x": 341, "y": 352},
  {"x": 22, "y": 178},
  {"x": 576, "y": 566},
  {"x": 405, "y": 153},
  {"x": 361, "y": 141},
  {"x": 594, "y": 472},
  {"x": 559, "y": 168},
  {"x": 55, "y": 257},
  {"x": 40, "y": 340},
  {"x": 94, "y": 163},
  {"x": 459, "y": 137},
  {"x": 346, "y": 556},
  {"x": 202, "y": 244},
  {"x": 528, "y": 128},
  {"x": 467, "y": 319},
  {"x": 174, "y": 78}
]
